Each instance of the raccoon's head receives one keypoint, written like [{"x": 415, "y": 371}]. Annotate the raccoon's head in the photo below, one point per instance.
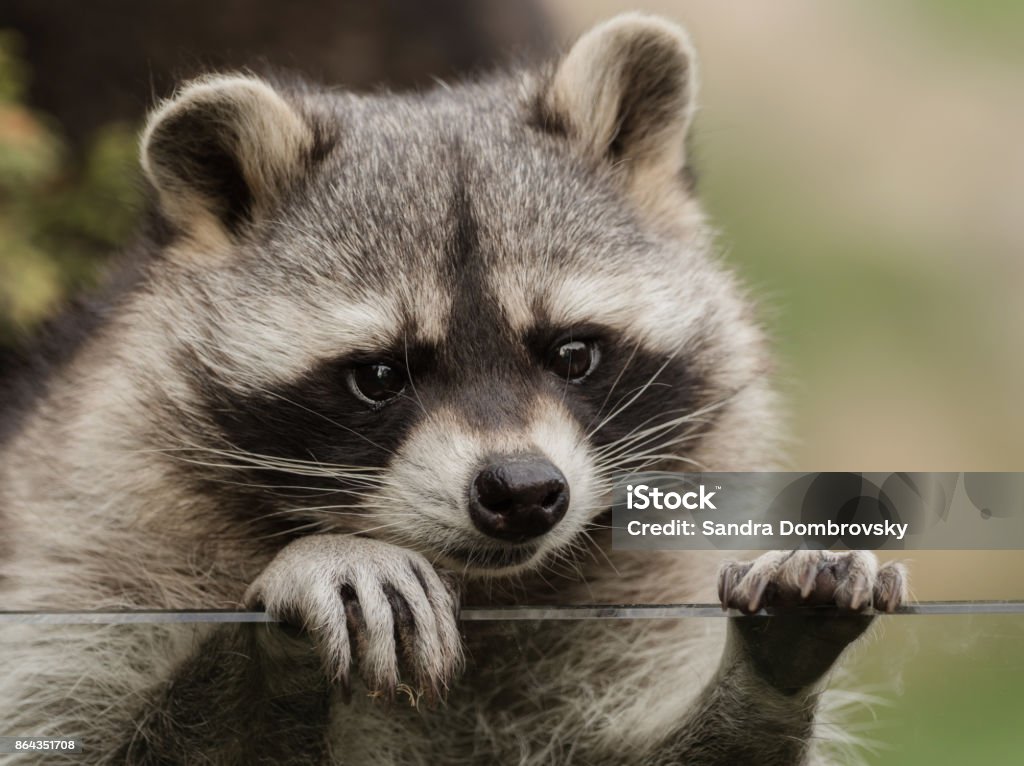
[{"x": 446, "y": 320}]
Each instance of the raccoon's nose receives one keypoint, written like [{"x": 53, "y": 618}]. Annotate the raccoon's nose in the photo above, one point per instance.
[{"x": 518, "y": 498}]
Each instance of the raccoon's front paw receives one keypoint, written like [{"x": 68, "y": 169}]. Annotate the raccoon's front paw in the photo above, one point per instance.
[
  {"x": 367, "y": 605},
  {"x": 850, "y": 580},
  {"x": 794, "y": 650}
]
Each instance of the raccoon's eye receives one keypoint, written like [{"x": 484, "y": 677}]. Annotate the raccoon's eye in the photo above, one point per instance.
[
  {"x": 574, "y": 360},
  {"x": 376, "y": 383}
]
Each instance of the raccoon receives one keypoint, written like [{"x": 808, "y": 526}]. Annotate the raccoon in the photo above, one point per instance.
[{"x": 377, "y": 357}]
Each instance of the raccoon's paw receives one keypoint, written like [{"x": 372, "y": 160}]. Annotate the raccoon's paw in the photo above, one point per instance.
[
  {"x": 793, "y": 650},
  {"x": 850, "y": 580},
  {"x": 368, "y": 606}
]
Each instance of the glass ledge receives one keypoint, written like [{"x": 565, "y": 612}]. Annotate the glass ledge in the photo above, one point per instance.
[{"x": 500, "y": 614}]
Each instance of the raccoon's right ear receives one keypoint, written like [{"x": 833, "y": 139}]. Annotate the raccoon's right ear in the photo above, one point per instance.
[{"x": 222, "y": 150}]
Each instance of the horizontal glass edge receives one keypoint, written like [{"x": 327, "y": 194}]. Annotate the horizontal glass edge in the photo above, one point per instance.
[{"x": 508, "y": 613}]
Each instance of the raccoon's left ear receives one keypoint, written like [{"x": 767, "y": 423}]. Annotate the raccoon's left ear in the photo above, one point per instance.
[
  {"x": 625, "y": 94},
  {"x": 222, "y": 150}
]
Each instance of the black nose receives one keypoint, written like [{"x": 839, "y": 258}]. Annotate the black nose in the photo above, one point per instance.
[{"x": 517, "y": 498}]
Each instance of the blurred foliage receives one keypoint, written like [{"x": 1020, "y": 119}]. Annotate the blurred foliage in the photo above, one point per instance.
[
  {"x": 986, "y": 24},
  {"x": 60, "y": 215}
]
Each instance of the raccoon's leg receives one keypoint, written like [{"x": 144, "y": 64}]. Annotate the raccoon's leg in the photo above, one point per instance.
[
  {"x": 760, "y": 706},
  {"x": 261, "y": 694},
  {"x": 240, "y": 698}
]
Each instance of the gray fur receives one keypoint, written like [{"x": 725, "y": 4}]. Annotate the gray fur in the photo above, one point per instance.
[{"x": 201, "y": 448}]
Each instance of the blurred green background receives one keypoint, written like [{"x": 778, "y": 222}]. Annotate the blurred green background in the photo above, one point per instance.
[{"x": 865, "y": 164}]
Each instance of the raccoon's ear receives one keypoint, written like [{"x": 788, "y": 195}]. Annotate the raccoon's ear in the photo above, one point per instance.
[
  {"x": 625, "y": 93},
  {"x": 222, "y": 150}
]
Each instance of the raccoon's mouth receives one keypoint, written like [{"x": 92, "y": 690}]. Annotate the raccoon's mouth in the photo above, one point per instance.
[{"x": 487, "y": 557}]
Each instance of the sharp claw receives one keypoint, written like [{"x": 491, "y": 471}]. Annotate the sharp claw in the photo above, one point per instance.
[
  {"x": 889, "y": 588},
  {"x": 345, "y": 688},
  {"x": 859, "y": 598},
  {"x": 808, "y": 578},
  {"x": 756, "y": 596},
  {"x": 725, "y": 586},
  {"x": 854, "y": 593},
  {"x": 889, "y": 602},
  {"x": 729, "y": 577}
]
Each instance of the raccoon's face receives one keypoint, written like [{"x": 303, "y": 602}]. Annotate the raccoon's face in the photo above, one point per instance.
[{"x": 445, "y": 321}]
